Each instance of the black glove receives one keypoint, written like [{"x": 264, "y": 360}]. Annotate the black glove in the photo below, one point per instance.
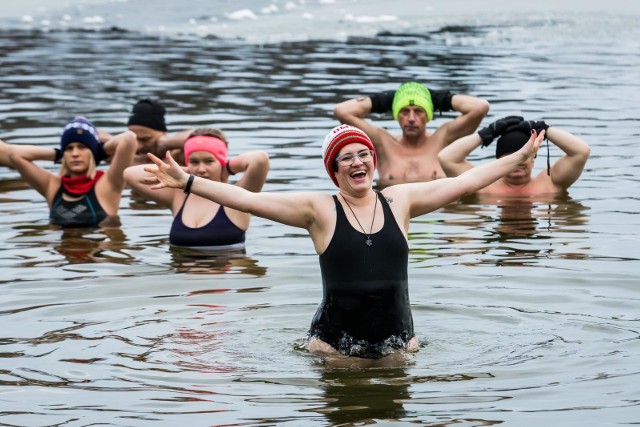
[
  {"x": 381, "y": 101},
  {"x": 441, "y": 100},
  {"x": 527, "y": 125},
  {"x": 497, "y": 128},
  {"x": 58, "y": 156}
]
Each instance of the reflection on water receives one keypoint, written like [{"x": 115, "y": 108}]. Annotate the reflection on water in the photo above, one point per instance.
[
  {"x": 107, "y": 244},
  {"x": 505, "y": 231},
  {"x": 363, "y": 396},
  {"x": 196, "y": 261}
]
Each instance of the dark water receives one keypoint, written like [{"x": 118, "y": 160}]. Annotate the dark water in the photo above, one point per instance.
[{"x": 528, "y": 312}]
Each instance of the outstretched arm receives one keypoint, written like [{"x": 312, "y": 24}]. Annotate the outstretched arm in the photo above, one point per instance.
[
  {"x": 295, "y": 209},
  {"x": 566, "y": 170},
  {"x": 423, "y": 197},
  {"x": 453, "y": 157},
  {"x": 104, "y": 136},
  {"x": 254, "y": 165},
  {"x": 135, "y": 178}
]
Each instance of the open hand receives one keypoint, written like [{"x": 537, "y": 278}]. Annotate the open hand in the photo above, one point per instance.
[{"x": 169, "y": 174}]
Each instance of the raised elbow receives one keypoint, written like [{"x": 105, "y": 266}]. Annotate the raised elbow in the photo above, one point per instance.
[
  {"x": 339, "y": 112},
  {"x": 481, "y": 108}
]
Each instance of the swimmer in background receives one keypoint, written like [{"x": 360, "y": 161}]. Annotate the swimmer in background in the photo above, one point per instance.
[
  {"x": 412, "y": 155},
  {"x": 80, "y": 195},
  {"x": 199, "y": 222},
  {"x": 513, "y": 133},
  {"x": 147, "y": 121},
  {"x": 359, "y": 234}
]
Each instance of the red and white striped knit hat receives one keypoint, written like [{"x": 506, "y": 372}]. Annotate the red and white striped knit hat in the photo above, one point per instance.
[{"x": 337, "y": 138}]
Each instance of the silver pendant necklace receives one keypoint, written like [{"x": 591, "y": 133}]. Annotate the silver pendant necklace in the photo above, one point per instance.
[{"x": 367, "y": 242}]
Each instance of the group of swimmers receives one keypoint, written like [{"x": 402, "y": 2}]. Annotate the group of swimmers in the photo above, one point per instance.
[{"x": 360, "y": 234}]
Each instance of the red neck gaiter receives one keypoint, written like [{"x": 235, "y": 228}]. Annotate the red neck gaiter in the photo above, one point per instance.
[{"x": 79, "y": 185}]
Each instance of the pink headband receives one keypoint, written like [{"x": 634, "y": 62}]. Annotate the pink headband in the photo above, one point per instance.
[{"x": 207, "y": 143}]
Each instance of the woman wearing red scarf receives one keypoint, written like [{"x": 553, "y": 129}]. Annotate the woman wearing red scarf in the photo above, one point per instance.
[
  {"x": 199, "y": 222},
  {"x": 81, "y": 195}
]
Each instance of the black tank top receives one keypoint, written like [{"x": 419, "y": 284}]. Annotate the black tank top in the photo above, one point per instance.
[
  {"x": 365, "y": 310},
  {"x": 85, "y": 212}
]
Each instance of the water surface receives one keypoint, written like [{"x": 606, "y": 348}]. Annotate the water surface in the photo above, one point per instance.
[{"x": 527, "y": 310}]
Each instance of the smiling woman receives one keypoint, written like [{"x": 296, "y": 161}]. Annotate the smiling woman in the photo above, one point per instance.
[
  {"x": 81, "y": 195},
  {"x": 365, "y": 312}
]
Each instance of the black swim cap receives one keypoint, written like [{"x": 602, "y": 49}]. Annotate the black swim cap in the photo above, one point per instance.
[
  {"x": 511, "y": 142},
  {"x": 148, "y": 113}
]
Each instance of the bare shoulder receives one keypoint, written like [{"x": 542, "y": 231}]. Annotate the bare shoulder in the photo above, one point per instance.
[
  {"x": 322, "y": 202},
  {"x": 396, "y": 195},
  {"x": 543, "y": 183},
  {"x": 441, "y": 137}
]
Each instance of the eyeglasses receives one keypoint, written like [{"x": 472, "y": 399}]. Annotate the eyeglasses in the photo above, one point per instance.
[{"x": 348, "y": 159}]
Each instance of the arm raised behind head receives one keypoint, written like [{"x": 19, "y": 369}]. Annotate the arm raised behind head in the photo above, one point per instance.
[
  {"x": 425, "y": 197},
  {"x": 568, "y": 168},
  {"x": 122, "y": 149}
]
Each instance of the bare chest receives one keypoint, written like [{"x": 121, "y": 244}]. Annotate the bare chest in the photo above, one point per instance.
[{"x": 408, "y": 165}]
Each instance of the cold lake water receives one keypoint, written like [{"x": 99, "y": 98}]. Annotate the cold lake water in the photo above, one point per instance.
[{"x": 527, "y": 311}]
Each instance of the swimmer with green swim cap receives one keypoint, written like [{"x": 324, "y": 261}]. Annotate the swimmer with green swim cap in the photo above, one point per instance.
[
  {"x": 412, "y": 155},
  {"x": 412, "y": 93}
]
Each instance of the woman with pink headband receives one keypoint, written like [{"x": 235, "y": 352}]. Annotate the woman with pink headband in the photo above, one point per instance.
[{"x": 198, "y": 222}]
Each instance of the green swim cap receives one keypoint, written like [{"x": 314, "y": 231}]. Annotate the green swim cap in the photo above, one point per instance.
[{"x": 412, "y": 93}]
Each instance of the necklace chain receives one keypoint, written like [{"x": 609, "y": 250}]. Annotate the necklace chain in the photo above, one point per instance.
[{"x": 367, "y": 242}]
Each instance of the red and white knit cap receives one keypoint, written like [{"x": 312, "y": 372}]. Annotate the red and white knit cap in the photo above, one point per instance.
[{"x": 337, "y": 138}]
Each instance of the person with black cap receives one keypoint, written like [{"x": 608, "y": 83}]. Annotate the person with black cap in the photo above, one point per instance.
[
  {"x": 513, "y": 132},
  {"x": 80, "y": 195},
  {"x": 147, "y": 122},
  {"x": 412, "y": 155}
]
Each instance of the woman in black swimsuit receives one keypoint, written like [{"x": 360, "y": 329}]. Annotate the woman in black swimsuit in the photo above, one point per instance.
[
  {"x": 80, "y": 195},
  {"x": 359, "y": 234}
]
